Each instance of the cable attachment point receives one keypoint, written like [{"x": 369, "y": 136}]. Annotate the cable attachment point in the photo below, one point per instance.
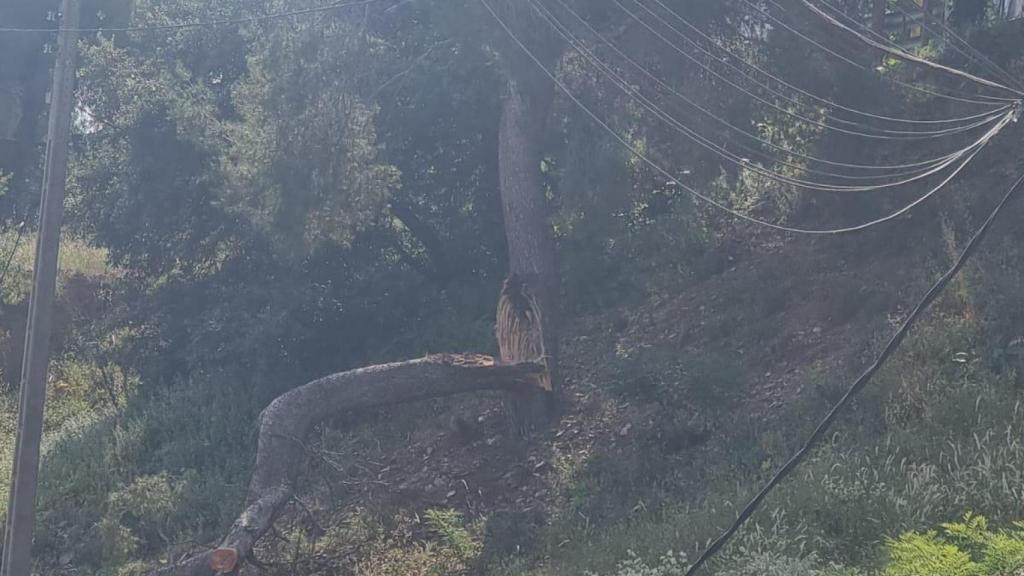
[{"x": 1016, "y": 109}]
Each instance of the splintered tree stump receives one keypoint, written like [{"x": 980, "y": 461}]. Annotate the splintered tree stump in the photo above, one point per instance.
[{"x": 288, "y": 419}]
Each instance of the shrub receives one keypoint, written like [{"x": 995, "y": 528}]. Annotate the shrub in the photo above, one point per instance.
[
  {"x": 967, "y": 548},
  {"x": 450, "y": 527}
]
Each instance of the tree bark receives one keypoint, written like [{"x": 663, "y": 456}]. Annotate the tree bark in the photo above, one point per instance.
[
  {"x": 286, "y": 422},
  {"x": 528, "y": 233}
]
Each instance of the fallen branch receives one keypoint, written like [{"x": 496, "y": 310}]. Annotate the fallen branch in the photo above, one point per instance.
[{"x": 289, "y": 419}]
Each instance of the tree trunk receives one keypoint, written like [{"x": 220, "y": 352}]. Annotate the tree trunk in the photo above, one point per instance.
[
  {"x": 528, "y": 233},
  {"x": 286, "y": 422},
  {"x": 1015, "y": 9}
]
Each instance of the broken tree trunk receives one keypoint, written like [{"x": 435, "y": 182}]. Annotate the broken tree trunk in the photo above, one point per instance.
[
  {"x": 531, "y": 245},
  {"x": 529, "y": 233},
  {"x": 286, "y": 422}
]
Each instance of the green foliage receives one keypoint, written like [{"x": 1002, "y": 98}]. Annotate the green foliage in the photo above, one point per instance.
[
  {"x": 450, "y": 527},
  {"x": 926, "y": 554},
  {"x": 118, "y": 485},
  {"x": 77, "y": 260},
  {"x": 327, "y": 183},
  {"x": 967, "y": 548},
  {"x": 145, "y": 510}
]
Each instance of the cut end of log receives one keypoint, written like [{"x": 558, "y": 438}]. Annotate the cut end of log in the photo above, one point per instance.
[{"x": 223, "y": 560}]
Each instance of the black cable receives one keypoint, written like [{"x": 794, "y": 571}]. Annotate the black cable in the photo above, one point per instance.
[
  {"x": 10, "y": 256},
  {"x": 859, "y": 384},
  {"x": 211, "y": 23}
]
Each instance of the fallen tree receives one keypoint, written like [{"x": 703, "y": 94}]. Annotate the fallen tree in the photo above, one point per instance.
[{"x": 286, "y": 422}]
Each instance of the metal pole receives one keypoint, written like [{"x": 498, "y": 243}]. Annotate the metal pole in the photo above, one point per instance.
[{"x": 17, "y": 551}]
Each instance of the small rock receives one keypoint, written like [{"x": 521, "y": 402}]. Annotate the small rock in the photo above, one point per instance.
[{"x": 625, "y": 430}]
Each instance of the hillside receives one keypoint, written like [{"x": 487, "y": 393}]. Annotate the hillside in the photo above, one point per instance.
[
  {"x": 675, "y": 407},
  {"x": 677, "y": 232},
  {"x": 645, "y": 455}
]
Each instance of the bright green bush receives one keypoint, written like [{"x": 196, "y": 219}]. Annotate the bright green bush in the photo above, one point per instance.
[{"x": 967, "y": 548}]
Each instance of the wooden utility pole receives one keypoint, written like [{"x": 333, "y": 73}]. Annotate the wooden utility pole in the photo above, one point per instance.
[{"x": 17, "y": 552}]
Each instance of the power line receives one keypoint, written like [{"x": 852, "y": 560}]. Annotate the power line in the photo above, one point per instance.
[
  {"x": 839, "y": 14},
  {"x": 704, "y": 198},
  {"x": 781, "y": 109},
  {"x": 968, "y": 51},
  {"x": 930, "y": 296},
  {"x": 202, "y": 24},
  {"x": 904, "y": 55},
  {"x": 782, "y": 82},
  {"x": 781, "y": 23},
  {"x": 980, "y": 57},
  {"x": 929, "y": 163},
  {"x": 717, "y": 149},
  {"x": 742, "y": 163}
]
